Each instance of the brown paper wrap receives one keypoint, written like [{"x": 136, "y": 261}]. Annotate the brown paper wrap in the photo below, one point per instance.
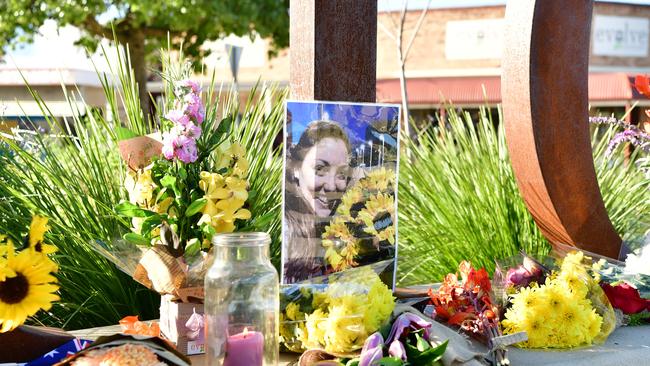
[
  {"x": 167, "y": 275},
  {"x": 138, "y": 151}
]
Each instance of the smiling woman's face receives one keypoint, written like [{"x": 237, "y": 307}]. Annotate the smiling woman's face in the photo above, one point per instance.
[{"x": 323, "y": 175}]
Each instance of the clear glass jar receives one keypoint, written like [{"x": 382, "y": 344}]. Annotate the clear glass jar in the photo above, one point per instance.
[{"x": 242, "y": 302}]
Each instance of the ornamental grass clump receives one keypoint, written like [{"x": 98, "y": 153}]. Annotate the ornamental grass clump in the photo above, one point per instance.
[
  {"x": 458, "y": 198},
  {"x": 75, "y": 174}
]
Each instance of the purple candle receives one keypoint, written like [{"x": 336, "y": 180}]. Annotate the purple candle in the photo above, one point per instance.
[{"x": 244, "y": 349}]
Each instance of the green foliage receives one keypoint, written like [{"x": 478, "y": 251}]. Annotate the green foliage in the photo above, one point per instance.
[
  {"x": 459, "y": 199},
  {"x": 77, "y": 181},
  {"x": 190, "y": 22}
]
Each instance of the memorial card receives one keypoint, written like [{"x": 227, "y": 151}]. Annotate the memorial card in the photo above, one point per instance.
[{"x": 340, "y": 190}]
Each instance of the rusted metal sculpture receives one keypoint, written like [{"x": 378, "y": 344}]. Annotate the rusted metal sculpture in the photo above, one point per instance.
[
  {"x": 333, "y": 50},
  {"x": 545, "y": 104}
]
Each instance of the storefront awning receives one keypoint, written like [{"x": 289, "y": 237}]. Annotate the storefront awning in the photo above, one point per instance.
[{"x": 478, "y": 90}]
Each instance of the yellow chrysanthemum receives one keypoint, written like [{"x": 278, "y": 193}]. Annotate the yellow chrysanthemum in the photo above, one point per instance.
[
  {"x": 293, "y": 312},
  {"x": 29, "y": 288},
  {"x": 555, "y": 314},
  {"x": 315, "y": 325},
  {"x": 36, "y": 236}
]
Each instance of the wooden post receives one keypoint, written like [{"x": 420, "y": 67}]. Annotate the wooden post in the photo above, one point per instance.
[
  {"x": 333, "y": 50},
  {"x": 545, "y": 103}
]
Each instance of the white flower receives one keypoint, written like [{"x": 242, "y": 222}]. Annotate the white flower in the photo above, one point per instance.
[{"x": 639, "y": 263}]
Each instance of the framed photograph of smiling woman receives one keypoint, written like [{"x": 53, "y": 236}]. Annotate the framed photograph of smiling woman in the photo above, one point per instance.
[{"x": 340, "y": 190}]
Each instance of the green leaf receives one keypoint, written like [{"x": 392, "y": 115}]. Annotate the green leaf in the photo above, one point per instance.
[
  {"x": 390, "y": 361},
  {"x": 168, "y": 181},
  {"x": 123, "y": 133},
  {"x": 195, "y": 207},
  {"x": 224, "y": 126},
  {"x": 430, "y": 355},
  {"x": 128, "y": 209},
  {"x": 150, "y": 223},
  {"x": 193, "y": 247},
  {"x": 136, "y": 239},
  {"x": 353, "y": 362},
  {"x": 421, "y": 343},
  {"x": 182, "y": 173}
]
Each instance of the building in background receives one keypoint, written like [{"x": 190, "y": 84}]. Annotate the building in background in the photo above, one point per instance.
[{"x": 456, "y": 56}]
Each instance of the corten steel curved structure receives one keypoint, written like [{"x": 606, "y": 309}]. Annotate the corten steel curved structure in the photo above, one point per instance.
[{"x": 545, "y": 103}]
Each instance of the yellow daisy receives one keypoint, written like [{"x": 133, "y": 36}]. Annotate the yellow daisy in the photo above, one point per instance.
[{"x": 27, "y": 290}]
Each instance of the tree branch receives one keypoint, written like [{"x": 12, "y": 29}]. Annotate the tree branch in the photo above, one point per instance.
[
  {"x": 388, "y": 33},
  {"x": 416, "y": 30},
  {"x": 91, "y": 25}
]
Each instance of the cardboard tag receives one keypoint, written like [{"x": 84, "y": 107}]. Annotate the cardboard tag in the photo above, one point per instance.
[{"x": 508, "y": 340}]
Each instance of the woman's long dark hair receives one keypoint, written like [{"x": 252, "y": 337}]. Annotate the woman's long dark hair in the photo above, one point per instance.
[{"x": 303, "y": 229}]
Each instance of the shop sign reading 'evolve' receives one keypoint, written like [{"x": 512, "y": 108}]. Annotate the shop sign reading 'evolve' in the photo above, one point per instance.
[{"x": 620, "y": 36}]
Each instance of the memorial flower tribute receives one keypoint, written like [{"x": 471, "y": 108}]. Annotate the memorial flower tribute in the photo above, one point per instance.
[{"x": 336, "y": 317}]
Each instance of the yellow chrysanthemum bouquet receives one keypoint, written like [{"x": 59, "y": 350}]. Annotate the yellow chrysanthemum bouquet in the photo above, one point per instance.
[
  {"x": 27, "y": 282},
  {"x": 560, "y": 308},
  {"x": 335, "y": 317},
  {"x": 363, "y": 227}
]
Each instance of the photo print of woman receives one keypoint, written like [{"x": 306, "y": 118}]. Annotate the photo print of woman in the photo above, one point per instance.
[{"x": 340, "y": 189}]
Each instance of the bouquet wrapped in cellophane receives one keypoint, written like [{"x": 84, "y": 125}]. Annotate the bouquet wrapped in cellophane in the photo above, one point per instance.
[
  {"x": 337, "y": 316},
  {"x": 558, "y": 301},
  {"x": 185, "y": 184}
]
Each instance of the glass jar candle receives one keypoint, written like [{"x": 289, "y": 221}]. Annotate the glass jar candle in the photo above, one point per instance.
[{"x": 242, "y": 302}]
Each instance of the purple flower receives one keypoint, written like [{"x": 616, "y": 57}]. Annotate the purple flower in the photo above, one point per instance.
[
  {"x": 372, "y": 350},
  {"x": 192, "y": 131},
  {"x": 186, "y": 149},
  {"x": 169, "y": 145},
  {"x": 178, "y": 117},
  {"x": 193, "y": 107},
  {"x": 190, "y": 84},
  {"x": 396, "y": 349},
  {"x": 406, "y": 323},
  {"x": 633, "y": 136},
  {"x": 524, "y": 274}
]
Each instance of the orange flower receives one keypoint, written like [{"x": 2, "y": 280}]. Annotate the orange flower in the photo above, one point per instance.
[{"x": 642, "y": 84}]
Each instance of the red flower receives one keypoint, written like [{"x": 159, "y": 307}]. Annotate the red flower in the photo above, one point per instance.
[
  {"x": 642, "y": 84},
  {"x": 626, "y": 298}
]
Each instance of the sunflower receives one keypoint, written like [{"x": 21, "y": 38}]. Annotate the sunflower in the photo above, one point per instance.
[
  {"x": 341, "y": 247},
  {"x": 351, "y": 203},
  {"x": 28, "y": 287},
  {"x": 378, "y": 180},
  {"x": 36, "y": 236},
  {"x": 378, "y": 217}
]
